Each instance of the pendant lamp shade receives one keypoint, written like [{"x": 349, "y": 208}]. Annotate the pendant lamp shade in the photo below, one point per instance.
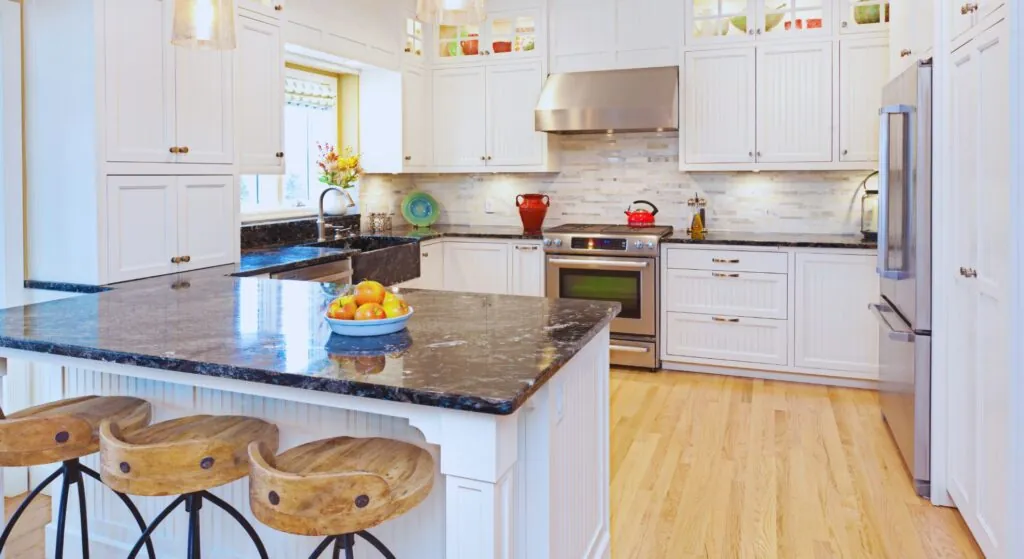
[
  {"x": 204, "y": 24},
  {"x": 451, "y": 12}
]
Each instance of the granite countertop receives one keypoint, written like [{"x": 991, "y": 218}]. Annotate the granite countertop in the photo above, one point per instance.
[
  {"x": 482, "y": 353},
  {"x": 774, "y": 240},
  {"x": 283, "y": 259},
  {"x": 466, "y": 231}
]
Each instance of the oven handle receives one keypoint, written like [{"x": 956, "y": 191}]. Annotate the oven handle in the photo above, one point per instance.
[
  {"x": 629, "y": 349},
  {"x": 605, "y": 263}
]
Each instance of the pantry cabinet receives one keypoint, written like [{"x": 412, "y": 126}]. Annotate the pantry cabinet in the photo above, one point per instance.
[
  {"x": 862, "y": 75},
  {"x": 260, "y": 96},
  {"x": 476, "y": 267},
  {"x": 589, "y": 35}
]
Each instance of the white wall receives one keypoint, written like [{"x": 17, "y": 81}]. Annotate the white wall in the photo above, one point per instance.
[
  {"x": 11, "y": 230},
  {"x": 1016, "y": 454}
]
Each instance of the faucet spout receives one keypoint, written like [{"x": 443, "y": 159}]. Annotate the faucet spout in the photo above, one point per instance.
[{"x": 321, "y": 223}]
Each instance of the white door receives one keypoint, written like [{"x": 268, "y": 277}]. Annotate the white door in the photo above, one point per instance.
[
  {"x": 512, "y": 94},
  {"x": 142, "y": 227},
  {"x": 416, "y": 118},
  {"x": 260, "y": 97},
  {"x": 863, "y": 72},
  {"x": 204, "y": 105},
  {"x": 527, "y": 269},
  {"x": 206, "y": 221},
  {"x": 580, "y": 35},
  {"x": 794, "y": 103},
  {"x": 139, "y": 81},
  {"x": 431, "y": 266},
  {"x": 460, "y": 110},
  {"x": 647, "y": 33},
  {"x": 718, "y": 106},
  {"x": 834, "y": 328},
  {"x": 476, "y": 267}
]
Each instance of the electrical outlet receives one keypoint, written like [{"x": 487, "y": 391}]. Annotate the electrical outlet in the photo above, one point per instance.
[{"x": 489, "y": 206}]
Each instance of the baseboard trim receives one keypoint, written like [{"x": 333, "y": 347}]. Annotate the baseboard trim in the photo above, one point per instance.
[{"x": 771, "y": 375}]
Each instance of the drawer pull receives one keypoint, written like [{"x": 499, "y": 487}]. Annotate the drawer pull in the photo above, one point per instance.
[
  {"x": 628, "y": 349},
  {"x": 720, "y": 319},
  {"x": 726, "y": 260},
  {"x": 721, "y": 275}
]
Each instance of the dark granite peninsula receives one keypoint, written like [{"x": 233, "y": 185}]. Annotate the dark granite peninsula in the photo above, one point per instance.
[{"x": 482, "y": 381}]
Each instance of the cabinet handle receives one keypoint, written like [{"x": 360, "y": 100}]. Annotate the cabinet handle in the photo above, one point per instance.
[
  {"x": 726, "y": 260},
  {"x": 758, "y": 30},
  {"x": 968, "y": 272},
  {"x": 177, "y": 260},
  {"x": 751, "y": 154},
  {"x": 489, "y": 158},
  {"x": 750, "y": 32},
  {"x": 426, "y": 255},
  {"x": 844, "y": 25},
  {"x": 279, "y": 154},
  {"x": 278, "y": 8},
  {"x": 721, "y": 275},
  {"x": 186, "y": 259},
  {"x": 526, "y": 247},
  {"x": 183, "y": 149},
  {"x": 175, "y": 150},
  {"x": 408, "y": 158},
  {"x": 721, "y": 319},
  {"x": 759, "y": 154},
  {"x": 905, "y": 53},
  {"x": 846, "y": 151},
  {"x": 483, "y": 158}
]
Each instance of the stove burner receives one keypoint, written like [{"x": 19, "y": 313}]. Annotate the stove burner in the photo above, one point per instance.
[{"x": 625, "y": 230}]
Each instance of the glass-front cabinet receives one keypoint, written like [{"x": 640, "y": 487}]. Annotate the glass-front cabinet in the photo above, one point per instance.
[
  {"x": 746, "y": 20},
  {"x": 505, "y": 34},
  {"x": 863, "y": 16},
  {"x": 414, "y": 38}
]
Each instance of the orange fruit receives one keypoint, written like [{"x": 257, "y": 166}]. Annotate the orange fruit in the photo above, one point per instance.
[
  {"x": 370, "y": 311},
  {"x": 369, "y": 292},
  {"x": 396, "y": 308}
]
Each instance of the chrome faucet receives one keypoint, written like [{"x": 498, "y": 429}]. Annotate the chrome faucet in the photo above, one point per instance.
[{"x": 321, "y": 224}]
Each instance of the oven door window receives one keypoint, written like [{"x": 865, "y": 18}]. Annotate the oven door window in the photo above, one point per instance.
[{"x": 603, "y": 285}]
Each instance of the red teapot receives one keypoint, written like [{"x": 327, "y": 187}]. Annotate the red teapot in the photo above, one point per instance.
[{"x": 641, "y": 218}]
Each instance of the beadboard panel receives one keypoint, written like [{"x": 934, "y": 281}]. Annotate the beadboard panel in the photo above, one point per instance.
[
  {"x": 750, "y": 340},
  {"x": 727, "y": 293}
]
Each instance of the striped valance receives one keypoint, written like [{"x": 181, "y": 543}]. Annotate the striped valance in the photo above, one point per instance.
[{"x": 304, "y": 93}]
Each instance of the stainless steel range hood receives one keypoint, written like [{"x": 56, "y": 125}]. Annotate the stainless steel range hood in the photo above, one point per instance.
[{"x": 640, "y": 100}]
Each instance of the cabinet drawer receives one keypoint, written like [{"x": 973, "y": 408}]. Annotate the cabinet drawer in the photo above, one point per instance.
[
  {"x": 748, "y": 294},
  {"x": 728, "y": 260},
  {"x": 748, "y": 340}
]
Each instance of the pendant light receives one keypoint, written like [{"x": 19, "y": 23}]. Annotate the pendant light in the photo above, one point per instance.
[
  {"x": 204, "y": 24},
  {"x": 451, "y": 12}
]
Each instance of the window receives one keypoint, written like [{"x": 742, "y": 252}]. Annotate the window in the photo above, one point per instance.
[{"x": 310, "y": 116}]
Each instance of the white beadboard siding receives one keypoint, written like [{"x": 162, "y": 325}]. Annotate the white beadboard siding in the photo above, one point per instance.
[
  {"x": 727, "y": 293},
  {"x": 601, "y": 175},
  {"x": 751, "y": 340},
  {"x": 794, "y": 123}
]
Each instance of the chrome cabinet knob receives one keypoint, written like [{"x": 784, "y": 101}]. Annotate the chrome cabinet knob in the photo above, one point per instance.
[{"x": 968, "y": 272}]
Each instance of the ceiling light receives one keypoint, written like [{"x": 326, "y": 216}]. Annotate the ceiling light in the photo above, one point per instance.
[
  {"x": 451, "y": 12},
  {"x": 204, "y": 24}
]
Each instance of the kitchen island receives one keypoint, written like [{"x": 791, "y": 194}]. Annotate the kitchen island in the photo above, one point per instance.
[{"x": 509, "y": 394}]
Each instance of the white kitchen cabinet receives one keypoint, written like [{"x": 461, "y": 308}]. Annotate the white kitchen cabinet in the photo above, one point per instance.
[
  {"x": 142, "y": 227},
  {"x": 970, "y": 17},
  {"x": 431, "y": 265},
  {"x": 506, "y": 35},
  {"x": 863, "y": 72},
  {"x": 911, "y": 33},
  {"x": 719, "y": 108},
  {"x": 416, "y": 118},
  {"x": 475, "y": 267},
  {"x": 460, "y": 112},
  {"x": 512, "y": 94},
  {"x": 528, "y": 269},
  {"x": 647, "y": 33},
  {"x": 834, "y": 329},
  {"x": 865, "y": 16},
  {"x": 204, "y": 95},
  {"x": 268, "y": 8},
  {"x": 206, "y": 226},
  {"x": 979, "y": 356},
  {"x": 726, "y": 338},
  {"x": 713, "y": 292},
  {"x": 140, "y": 99},
  {"x": 794, "y": 103},
  {"x": 713, "y": 21},
  {"x": 260, "y": 96},
  {"x": 592, "y": 35}
]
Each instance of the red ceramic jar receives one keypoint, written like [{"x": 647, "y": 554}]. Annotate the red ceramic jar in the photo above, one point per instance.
[{"x": 532, "y": 210}]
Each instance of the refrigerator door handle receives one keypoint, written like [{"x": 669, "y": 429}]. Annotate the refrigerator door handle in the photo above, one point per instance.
[
  {"x": 892, "y": 333},
  {"x": 883, "y": 185}
]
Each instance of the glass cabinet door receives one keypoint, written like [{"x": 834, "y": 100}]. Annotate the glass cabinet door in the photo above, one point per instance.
[
  {"x": 861, "y": 16},
  {"x": 512, "y": 34},
  {"x": 458, "y": 42},
  {"x": 720, "y": 20},
  {"x": 414, "y": 37},
  {"x": 786, "y": 18}
]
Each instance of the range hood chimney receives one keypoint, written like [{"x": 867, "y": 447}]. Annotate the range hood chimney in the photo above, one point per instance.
[{"x": 641, "y": 100}]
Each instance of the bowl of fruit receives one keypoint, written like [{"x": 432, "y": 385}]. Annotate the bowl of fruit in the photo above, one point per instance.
[{"x": 368, "y": 309}]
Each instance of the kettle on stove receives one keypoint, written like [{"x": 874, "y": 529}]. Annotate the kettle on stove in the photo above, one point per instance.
[{"x": 641, "y": 217}]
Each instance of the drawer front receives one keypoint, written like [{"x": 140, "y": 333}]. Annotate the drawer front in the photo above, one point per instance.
[
  {"x": 747, "y": 294},
  {"x": 748, "y": 340},
  {"x": 728, "y": 260}
]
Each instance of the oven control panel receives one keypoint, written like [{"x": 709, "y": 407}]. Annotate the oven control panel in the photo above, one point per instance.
[{"x": 601, "y": 244}]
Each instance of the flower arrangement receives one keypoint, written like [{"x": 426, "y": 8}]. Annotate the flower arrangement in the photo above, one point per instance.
[{"x": 338, "y": 170}]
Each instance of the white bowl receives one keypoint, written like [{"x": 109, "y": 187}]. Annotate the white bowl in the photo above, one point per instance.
[{"x": 364, "y": 328}]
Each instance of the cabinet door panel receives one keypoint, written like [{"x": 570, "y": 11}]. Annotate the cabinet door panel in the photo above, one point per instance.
[
  {"x": 206, "y": 221},
  {"x": 432, "y": 266},
  {"x": 139, "y": 102},
  {"x": 749, "y": 340},
  {"x": 260, "y": 97},
  {"x": 834, "y": 328},
  {"x": 713, "y": 21},
  {"x": 794, "y": 103},
  {"x": 718, "y": 106},
  {"x": 581, "y": 32},
  {"x": 204, "y": 105},
  {"x": 141, "y": 227},
  {"x": 863, "y": 72},
  {"x": 476, "y": 267},
  {"x": 512, "y": 94},
  {"x": 727, "y": 293},
  {"x": 647, "y": 32},
  {"x": 460, "y": 138},
  {"x": 527, "y": 270},
  {"x": 416, "y": 118}
]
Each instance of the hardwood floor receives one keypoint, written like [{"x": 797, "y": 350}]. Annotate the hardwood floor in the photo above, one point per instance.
[
  {"x": 717, "y": 467},
  {"x": 720, "y": 468}
]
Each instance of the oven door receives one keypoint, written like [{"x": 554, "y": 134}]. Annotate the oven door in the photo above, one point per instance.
[{"x": 630, "y": 281}]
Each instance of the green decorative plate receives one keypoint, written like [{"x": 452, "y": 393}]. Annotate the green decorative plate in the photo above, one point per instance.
[{"x": 420, "y": 209}]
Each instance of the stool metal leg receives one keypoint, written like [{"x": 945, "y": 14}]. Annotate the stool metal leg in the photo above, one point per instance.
[
  {"x": 62, "y": 512},
  {"x": 375, "y": 543},
  {"x": 323, "y": 546},
  {"x": 253, "y": 535},
  {"x": 24, "y": 505},
  {"x": 75, "y": 474},
  {"x": 127, "y": 503},
  {"x": 193, "y": 503},
  {"x": 350, "y": 546},
  {"x": 145, "y": 538}
]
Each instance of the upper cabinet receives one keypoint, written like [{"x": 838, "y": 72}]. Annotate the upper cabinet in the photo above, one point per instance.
[
  {"x": 613, "y": 34},
  {"x": 719, "y": 108},
  {"x": 268, "y": 8},
  {"x": 260, "y": 97},
  {"x": 794, "y": 103},
  {"x": 414, "y": 47},
  {"x": 505, "y": 35},
  {"x": 911, "y": 35},
  {"x": 863, "y": 16},
  {"x": 722, "y": 21},
  {"x": 862, "y": 75}
]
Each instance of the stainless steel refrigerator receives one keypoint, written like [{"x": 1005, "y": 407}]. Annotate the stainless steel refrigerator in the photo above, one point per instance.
[{"x": 905, "y": 266}]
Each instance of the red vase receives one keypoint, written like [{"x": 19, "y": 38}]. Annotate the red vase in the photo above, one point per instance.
[{"x": 532, "y": 210}]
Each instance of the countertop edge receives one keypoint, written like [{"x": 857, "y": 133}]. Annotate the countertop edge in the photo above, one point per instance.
[{"x": 852, "y": 244}]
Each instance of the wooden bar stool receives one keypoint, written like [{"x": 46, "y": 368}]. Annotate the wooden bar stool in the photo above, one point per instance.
[
  {"x": 184, "y": 457},
  {"x": 66, "y": 431},
  {"x": 338, "y": 488}
]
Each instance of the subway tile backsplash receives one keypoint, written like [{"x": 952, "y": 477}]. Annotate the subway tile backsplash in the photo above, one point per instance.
[{"x": 602, "y": 175}]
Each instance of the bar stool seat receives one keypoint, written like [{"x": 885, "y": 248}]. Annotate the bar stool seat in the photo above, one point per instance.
[
  {"x": 338, "y": 487},
  {"x": 63, "y": 432},
  {"x": 184, "y": 457}
]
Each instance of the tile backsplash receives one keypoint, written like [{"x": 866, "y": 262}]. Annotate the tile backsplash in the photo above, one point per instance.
[{"x": 602, "y": 175}]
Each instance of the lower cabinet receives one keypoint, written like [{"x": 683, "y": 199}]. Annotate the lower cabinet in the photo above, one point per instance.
[
  {"x": 748, "y": 340},
  {"x": 527, "y": 269},
  {"x": 159, "y": 225},
  {"x": 500, "y": 267},
  {"x": 476, "y": 267}
]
